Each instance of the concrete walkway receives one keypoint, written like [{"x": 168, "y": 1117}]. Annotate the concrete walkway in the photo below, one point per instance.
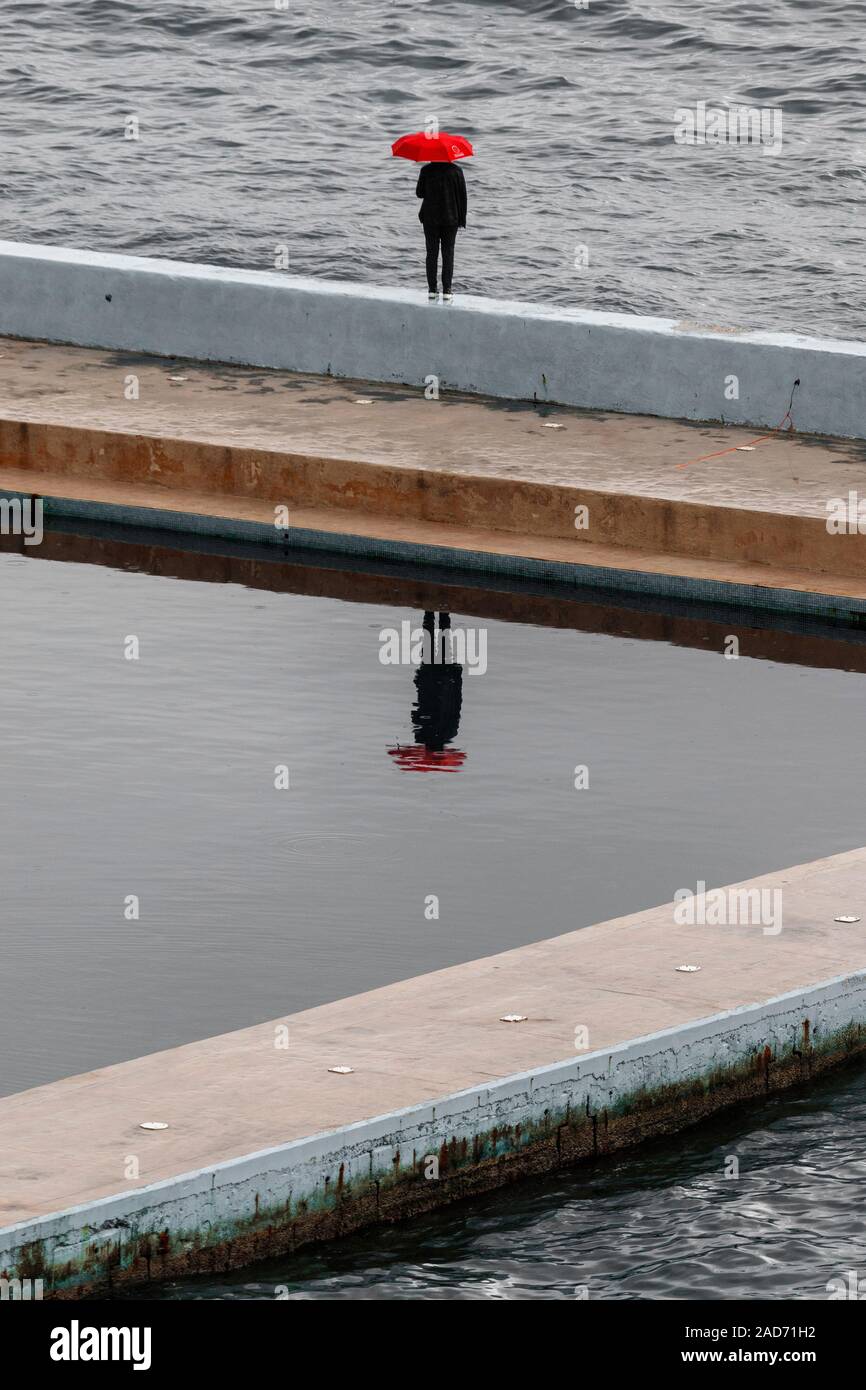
[
  {"x": 456, "y": 434},
  {"x": 477, "y": 476},
  {"x": 425, "y": 1039}
]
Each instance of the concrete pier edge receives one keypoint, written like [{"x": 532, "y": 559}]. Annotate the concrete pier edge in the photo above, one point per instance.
[
  {"x": 571, "y": 356},
  {"x": 278, "y": 1199},
  {"x": 292, "y": 460}
]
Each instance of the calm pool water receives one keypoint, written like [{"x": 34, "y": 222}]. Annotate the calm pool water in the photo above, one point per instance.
[{"x": 154, "y": 778}]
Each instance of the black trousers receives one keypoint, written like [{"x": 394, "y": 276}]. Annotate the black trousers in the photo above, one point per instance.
[{"x": 436, "y": 236}]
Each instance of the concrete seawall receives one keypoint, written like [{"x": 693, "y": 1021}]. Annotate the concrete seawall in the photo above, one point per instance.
[
  {"x": 575, "y": 357},
  {"x": 267, "y": 1149}
]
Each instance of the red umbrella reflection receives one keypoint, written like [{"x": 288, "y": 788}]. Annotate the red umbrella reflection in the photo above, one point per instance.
[{"x": 416, "y": 758}]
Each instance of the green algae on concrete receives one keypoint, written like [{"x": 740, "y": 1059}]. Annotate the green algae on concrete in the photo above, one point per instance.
[{"x": 443, "y": 1100}]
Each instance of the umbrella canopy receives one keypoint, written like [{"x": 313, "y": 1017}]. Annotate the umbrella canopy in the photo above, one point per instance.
[
  {"x": 416, "y": 758},
  {"x": 432, "y": 149}
]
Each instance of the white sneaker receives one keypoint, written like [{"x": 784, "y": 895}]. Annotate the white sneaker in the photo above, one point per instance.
[
  {"x": 447, "y": 297},
  {"x": 433, "y": 297}
]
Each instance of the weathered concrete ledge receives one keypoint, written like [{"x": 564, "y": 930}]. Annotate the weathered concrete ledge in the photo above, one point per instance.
[
  {"x": 267, "y": 1149},
  {"x": 601, "y": 501},
  {"x": 576, "y": 357}
]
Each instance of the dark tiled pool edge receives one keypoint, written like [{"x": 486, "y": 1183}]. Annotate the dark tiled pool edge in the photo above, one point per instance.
[{"x": 840, "y": 608}]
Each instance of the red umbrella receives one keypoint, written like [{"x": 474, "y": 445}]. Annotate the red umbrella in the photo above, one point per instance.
[
  {"x": 435, "y": 149},
  {"x": 416, "y": 758}
]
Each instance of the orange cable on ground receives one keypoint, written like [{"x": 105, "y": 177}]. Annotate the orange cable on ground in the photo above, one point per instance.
[{"x": 752, "y": 442}]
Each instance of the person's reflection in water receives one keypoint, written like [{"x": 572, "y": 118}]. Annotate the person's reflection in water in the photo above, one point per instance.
[
  {"x": 439, "y": 683},
  {"x": 438, "y": 700}
]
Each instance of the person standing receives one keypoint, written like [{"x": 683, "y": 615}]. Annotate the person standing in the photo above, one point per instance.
[{"x": 442, "y": 190}]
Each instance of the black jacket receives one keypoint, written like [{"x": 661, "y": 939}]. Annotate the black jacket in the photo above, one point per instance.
[{"x": 443, "y": 190}]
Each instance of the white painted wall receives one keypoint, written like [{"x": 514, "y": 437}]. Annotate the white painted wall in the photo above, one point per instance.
[{"x": 569, "y": 356}]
